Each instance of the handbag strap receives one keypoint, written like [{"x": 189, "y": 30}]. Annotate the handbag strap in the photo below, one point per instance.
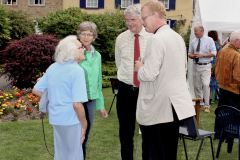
[{"x": 45, "y": 138}]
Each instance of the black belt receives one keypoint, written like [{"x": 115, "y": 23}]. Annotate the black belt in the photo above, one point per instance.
[
  {"x": 133, "y": 88},
  {"x": 203, "y": 63}
]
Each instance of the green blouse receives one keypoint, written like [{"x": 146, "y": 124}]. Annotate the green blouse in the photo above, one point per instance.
[{"x": 93, "y": 75}]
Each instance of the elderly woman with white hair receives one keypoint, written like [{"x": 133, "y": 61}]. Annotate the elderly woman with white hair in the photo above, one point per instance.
[
  {"x": 92, "y": 65},
  {"x": 65, "y": 81}
]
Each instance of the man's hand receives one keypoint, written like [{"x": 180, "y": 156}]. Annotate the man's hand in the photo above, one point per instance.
[
  {"x": 103, "y": 112},
  {"x": 198, "y": 55},
  {"x": 138, "y": 65}
]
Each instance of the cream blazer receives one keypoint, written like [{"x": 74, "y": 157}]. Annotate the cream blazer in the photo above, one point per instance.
[{"x": 163, "y": 80}]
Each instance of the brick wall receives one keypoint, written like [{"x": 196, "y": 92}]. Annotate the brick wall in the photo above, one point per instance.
[{"x": 36, "y": 11}]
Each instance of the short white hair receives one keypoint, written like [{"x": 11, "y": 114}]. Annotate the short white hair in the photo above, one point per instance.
[
  {"x": 134, "y": 10},
  {"x": 66, "y": 50},
  {"x": 234, "y": 35}
]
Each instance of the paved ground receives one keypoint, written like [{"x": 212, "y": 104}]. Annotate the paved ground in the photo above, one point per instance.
[{"x": 4, "y": 82}]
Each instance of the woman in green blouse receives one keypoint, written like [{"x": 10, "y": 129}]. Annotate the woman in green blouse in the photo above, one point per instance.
[{"x": 92, "y": 65}]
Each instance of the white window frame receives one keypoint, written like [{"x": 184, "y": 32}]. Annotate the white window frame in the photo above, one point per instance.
[
  {"x": 87, "y": 6},
  {"x": 9, "y": 4},
  {"x": 33, "y": 4},
  {"x": 166, "y": 4},
  {"x": 123, "y": 3},
  {"x": 169, "y": 22}
]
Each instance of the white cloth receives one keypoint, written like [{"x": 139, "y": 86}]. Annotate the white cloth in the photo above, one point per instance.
[
  {"x": 207, "y": 45},
  {"x": 67, "y": 143},
  {"x": 92, "y": 51},
  {"x": 124, "y": 53},
  {"x": 43, "y": 105},
  {"x": 163, "y": 80},
  {"x": 201, "y": 79}
]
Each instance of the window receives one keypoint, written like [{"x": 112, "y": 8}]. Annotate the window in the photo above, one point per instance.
[
  {"x": 169, "y": 22},
  {"x": 165, "y": 3},
  {"x": 9, "y": 2},
  {"x": 36, "y": 2},
  {"x": 91, "y": 3},
  {"x": 126, "y": 3}
]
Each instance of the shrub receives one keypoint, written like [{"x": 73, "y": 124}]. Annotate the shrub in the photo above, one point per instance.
[
  {"x": 21, "y": 25},
  {"x": 65, "y": 22},
  {"x": 186, "y": 36},
  {"x": 4, "y": 27},
  {"x": 108, "y": 70},
  {"x": 27, "y": 57}
]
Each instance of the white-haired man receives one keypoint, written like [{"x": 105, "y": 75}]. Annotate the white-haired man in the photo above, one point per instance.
[
  {"x": 164, "y": 98},
  {"x": 130, "y": 45},
  {"x": 201, "y": 50},
  {"x": 228, "y": 76}
]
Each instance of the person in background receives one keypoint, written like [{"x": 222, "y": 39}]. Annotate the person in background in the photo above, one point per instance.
[
  {"x": 130, "y": 45},
  {"x": 164, "y": 99},
  {"x": 92, "y": 66},
  {"x": 213, "y": 82},
  {"x": 65, "y": 81},
  {"x": 201, "y": 50},
  {"x": 228, "y": 76}
]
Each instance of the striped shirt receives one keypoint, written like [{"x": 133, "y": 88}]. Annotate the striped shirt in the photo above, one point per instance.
[
  {"x": 124, "y": 53},
  {"x": 207, "y": 45}
]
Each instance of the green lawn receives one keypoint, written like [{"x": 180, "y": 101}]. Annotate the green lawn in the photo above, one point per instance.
[{"x": 24, "y": 140}]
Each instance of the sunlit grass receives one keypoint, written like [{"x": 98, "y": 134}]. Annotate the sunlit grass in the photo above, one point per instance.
[{"x": 24, "y": 140}]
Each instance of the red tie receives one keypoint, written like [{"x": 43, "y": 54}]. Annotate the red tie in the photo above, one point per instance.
[{"x": 136, "y": 56}]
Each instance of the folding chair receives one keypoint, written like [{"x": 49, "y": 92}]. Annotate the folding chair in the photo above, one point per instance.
[
  {"x": 115, "y": 84},
  {"x": 229, "y": 118},
  {"x": 189, "y": 130}
]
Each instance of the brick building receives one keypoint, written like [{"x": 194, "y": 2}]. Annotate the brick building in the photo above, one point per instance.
[{"x": 36, "y": 8}]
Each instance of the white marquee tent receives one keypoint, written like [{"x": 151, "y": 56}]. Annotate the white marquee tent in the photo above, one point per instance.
[{"x": 220, "y": 15}]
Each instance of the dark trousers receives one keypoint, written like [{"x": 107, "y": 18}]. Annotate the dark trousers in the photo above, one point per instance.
[
  {"x": 160, "y": 141},
  {"x": 126, "y": 111},
  {"x": 89, "y": 108},
  {"x": 225, "y": 98}
]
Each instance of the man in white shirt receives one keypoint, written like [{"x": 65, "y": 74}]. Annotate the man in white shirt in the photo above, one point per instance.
[
  {"x": 164, "y": 99},
  {"x": 130, "y": 45},
  {"x": 201, "y": 50}
]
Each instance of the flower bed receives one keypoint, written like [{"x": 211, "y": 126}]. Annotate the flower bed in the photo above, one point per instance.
[{"x": 16, "y": 104}]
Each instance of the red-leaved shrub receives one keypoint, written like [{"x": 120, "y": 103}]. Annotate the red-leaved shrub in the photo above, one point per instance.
[{"x": 28, "y": 57}]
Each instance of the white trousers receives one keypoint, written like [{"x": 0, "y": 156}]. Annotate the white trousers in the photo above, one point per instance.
[
  {"x": 67, "y": 143},
  {"x": 201, "y": 80}
]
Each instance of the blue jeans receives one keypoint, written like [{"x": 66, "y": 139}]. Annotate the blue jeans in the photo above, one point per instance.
[{"x": 89, "y": 113}]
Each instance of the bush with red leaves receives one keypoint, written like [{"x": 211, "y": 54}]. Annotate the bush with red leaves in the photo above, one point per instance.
[{"x": 27, "y": 58}]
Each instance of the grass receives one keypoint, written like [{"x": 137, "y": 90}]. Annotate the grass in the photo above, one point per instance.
[{"x": 24, "y": 140}]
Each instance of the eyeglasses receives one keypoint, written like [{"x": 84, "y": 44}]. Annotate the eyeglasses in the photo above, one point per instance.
[
  {"x": 130, "y": 20},
  {"x": 143, "y": 18},
  {"x": 85, "y": 34}
]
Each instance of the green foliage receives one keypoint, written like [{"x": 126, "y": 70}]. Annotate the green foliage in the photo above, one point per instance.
[
  {"x": 65, "y": 22},
  {"x": 21, "y": 25},
  {"x": 186, "y": 36},
  {"x": 4, "y": 26},
  {"x": 62, "y": 22},
  {"x": 108, "y": 70}
]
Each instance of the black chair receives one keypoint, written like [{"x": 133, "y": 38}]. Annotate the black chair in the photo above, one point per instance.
[
  {"x": 115, "y": 84},
  {"x": 189, "y": 130},
  {"x": 229, "y": 117}
]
